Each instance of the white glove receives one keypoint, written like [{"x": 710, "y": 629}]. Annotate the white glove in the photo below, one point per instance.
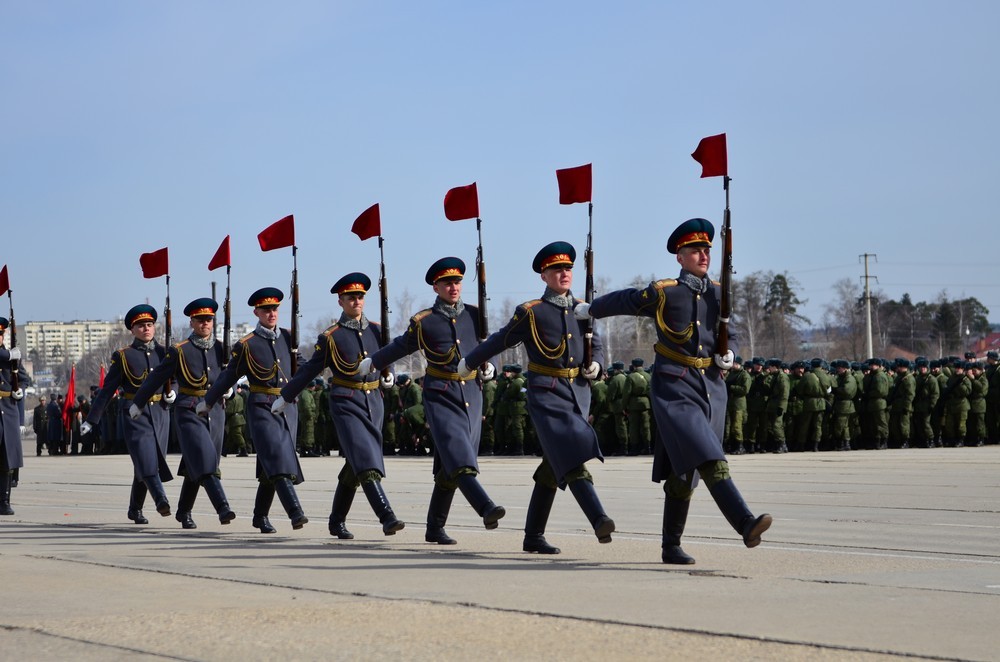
[
  {"x": 15, "y": 354},
  {"x": 85, "y": 428},
  {"x": 170, "y": 396},
  {"x": 829, "y": 389},
  {"x": 725, "y": 361},
  {"x": 228, "y": 395},
  {"x": 463, "y": 369},
  {"x": 134, "y": 413},
  {"x": 278, "y": 405},
  {"x": 24, "y": 430},
  {"x": 582, "y": 311},
  {"x": 388, "y": 380},
  {"x": 488, "y": 372},
  {"x": 18, "y": 394},
  {"x": 592, "y": 371},
  {"x": 201, "y": 408},
  {"x": 366, "y": 366}
]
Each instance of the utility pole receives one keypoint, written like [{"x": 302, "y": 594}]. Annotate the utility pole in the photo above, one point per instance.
[{"x": 868, "y": 303}]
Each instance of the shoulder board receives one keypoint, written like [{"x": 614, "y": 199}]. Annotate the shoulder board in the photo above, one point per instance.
[
  {"x": 422, "y": 314},
  {"x": 247, "y": 337},
  {"x": 331, "y": 329},
  {"x": 581, "y": 301},
  {"x": 183, "y": 342},
  {"x": 666, "y": 282},
  {"x": 716, "y": 283},
  {"x": 531, "y": 304}
]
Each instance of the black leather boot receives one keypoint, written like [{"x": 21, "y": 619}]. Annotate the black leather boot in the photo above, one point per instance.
[
  {"x": 474, "y": 493},
  {"x": 343, "y": 497},
  {"x": 675, "y": 513},
  {"x": 585, "y": 494},
  {"x": 290, "y": 502},
  {"x": 732, "y": 505},
  {"x": 135, "y": 501},
  {"x": 213, "y": 488},
  {"x": 380, "y": 504},
  {"x": 5, "y": 483},
  {"x": 539, "y": 508},
  {"x": 437, "y": 515},
  {"x": 155, "y": 487},
  {"x": 185, "y": 502},
  {"x": 262, "y": 506}
]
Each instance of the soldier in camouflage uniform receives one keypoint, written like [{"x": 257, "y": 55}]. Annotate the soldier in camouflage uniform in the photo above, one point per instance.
[
  {"x": 925, "y": 399},
  {"x": 937, "y": 415},
  {"x": 844, "y": 390},
  {"x": 756, "y": 426},
  {"x": 738, "y": 383},
  {"x": 500, "y": 442},
  {"x": 234, "y": 441},
  {"x": 777, "y": 405},
  {"x": 900, "y": 402},
  {"x": 955, "y": 400},
  {"x": 516, "y": 399},
  {"x": 617, "y": 384},
  {"x": 307, "y": 424},
  {"x": 635, "y": 402},
  {"x": 875, "y": 421},
  {"x": 809, "y": 422},
  {"x": 976, "y": 427}
]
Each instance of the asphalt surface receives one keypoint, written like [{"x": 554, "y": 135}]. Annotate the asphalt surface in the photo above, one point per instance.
[{"x": 872, "y": 555}]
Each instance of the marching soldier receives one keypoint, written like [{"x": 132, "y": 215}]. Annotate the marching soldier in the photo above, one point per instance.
[
  {"x": 11, "y": 418},
  {"x": 453, "y": 400},
  {"x": 266, "y": 359},
  {"x": 689, "y": 390},
  {"x": 147, "y": 435},
  {"x": 356, "y": 404},
  {"x": 195, "y": 363},
  {"x": 558, "y": 394}
]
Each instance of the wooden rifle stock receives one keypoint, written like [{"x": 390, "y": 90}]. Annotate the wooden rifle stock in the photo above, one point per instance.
[
  {"x": 588, "y": 325},
  {"x": 383, "y": 288},
  {"x": 726, "y": 287}
]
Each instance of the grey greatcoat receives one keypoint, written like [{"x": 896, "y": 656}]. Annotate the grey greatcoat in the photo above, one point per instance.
[
  {"x": 454, "y": 408},
  {"x": 193, "y": 370},
  {"x": 558, "y": 405},
  {"x": 689, "y": 401},
  {"x": 356, "y": 404},
  {"x": 267, "y": 364},
  {"x": 11, "y": 413},
  {"x": 146, "y": 437}
]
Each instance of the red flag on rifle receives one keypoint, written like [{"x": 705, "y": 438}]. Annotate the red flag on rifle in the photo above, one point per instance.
[
  {"x": 4, "y": 281},
  {"x": 67, "y": 412},
  {"x": 278, "y": 235},
  {"x": 575, "y": 184},
  {"x": 154, "y": 264},
  {"x": 369, "y": 224},
  {"x": 221, "y": 257},
  {"x": 461, "y": 202},
  {"x": 711, "y": 154}
]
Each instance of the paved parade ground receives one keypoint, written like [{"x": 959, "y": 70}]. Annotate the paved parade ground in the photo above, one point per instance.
[{"x": 871, "y": 555}]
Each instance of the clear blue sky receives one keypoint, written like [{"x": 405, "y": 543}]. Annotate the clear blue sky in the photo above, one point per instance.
[{"x": 854, "y": 127}]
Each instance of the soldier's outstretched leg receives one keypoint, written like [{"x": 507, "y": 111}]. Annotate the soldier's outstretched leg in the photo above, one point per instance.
[
  {"x": 539, "y": 507},
  {"x": 155, "y": 487},
  {"x": 474, "y": 493},
  {"x": 290, "y": 501},
  {"x": 137, "y": 497},
  {"x": 735, "y": 509},
  {"x": 437, "y": 516},
  {"x": 585, "y": 494},
  {"x": 262, "y": 506},
  {"x": 185, "y": 502},
  {"x": 380, "y": 504},
  {"x": 5, "y": 484},
  {"x": 213, "y": 488},
  {"x": 675, "y": 512},
  {"x": 343, "y": 497}
]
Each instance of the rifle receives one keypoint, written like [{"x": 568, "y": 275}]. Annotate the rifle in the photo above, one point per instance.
[
  {"x": 484, "y": 320},
  {"x": 588, "y": 326},
  {"x": 295, "y": 309},
  {"x": 227, "y": 324},
  {"x": 383, "y": 289},
  {"x": 725, "y": 279},
  {"x": 168, "y": 322},
  {"x": 15, "y": 378}
]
